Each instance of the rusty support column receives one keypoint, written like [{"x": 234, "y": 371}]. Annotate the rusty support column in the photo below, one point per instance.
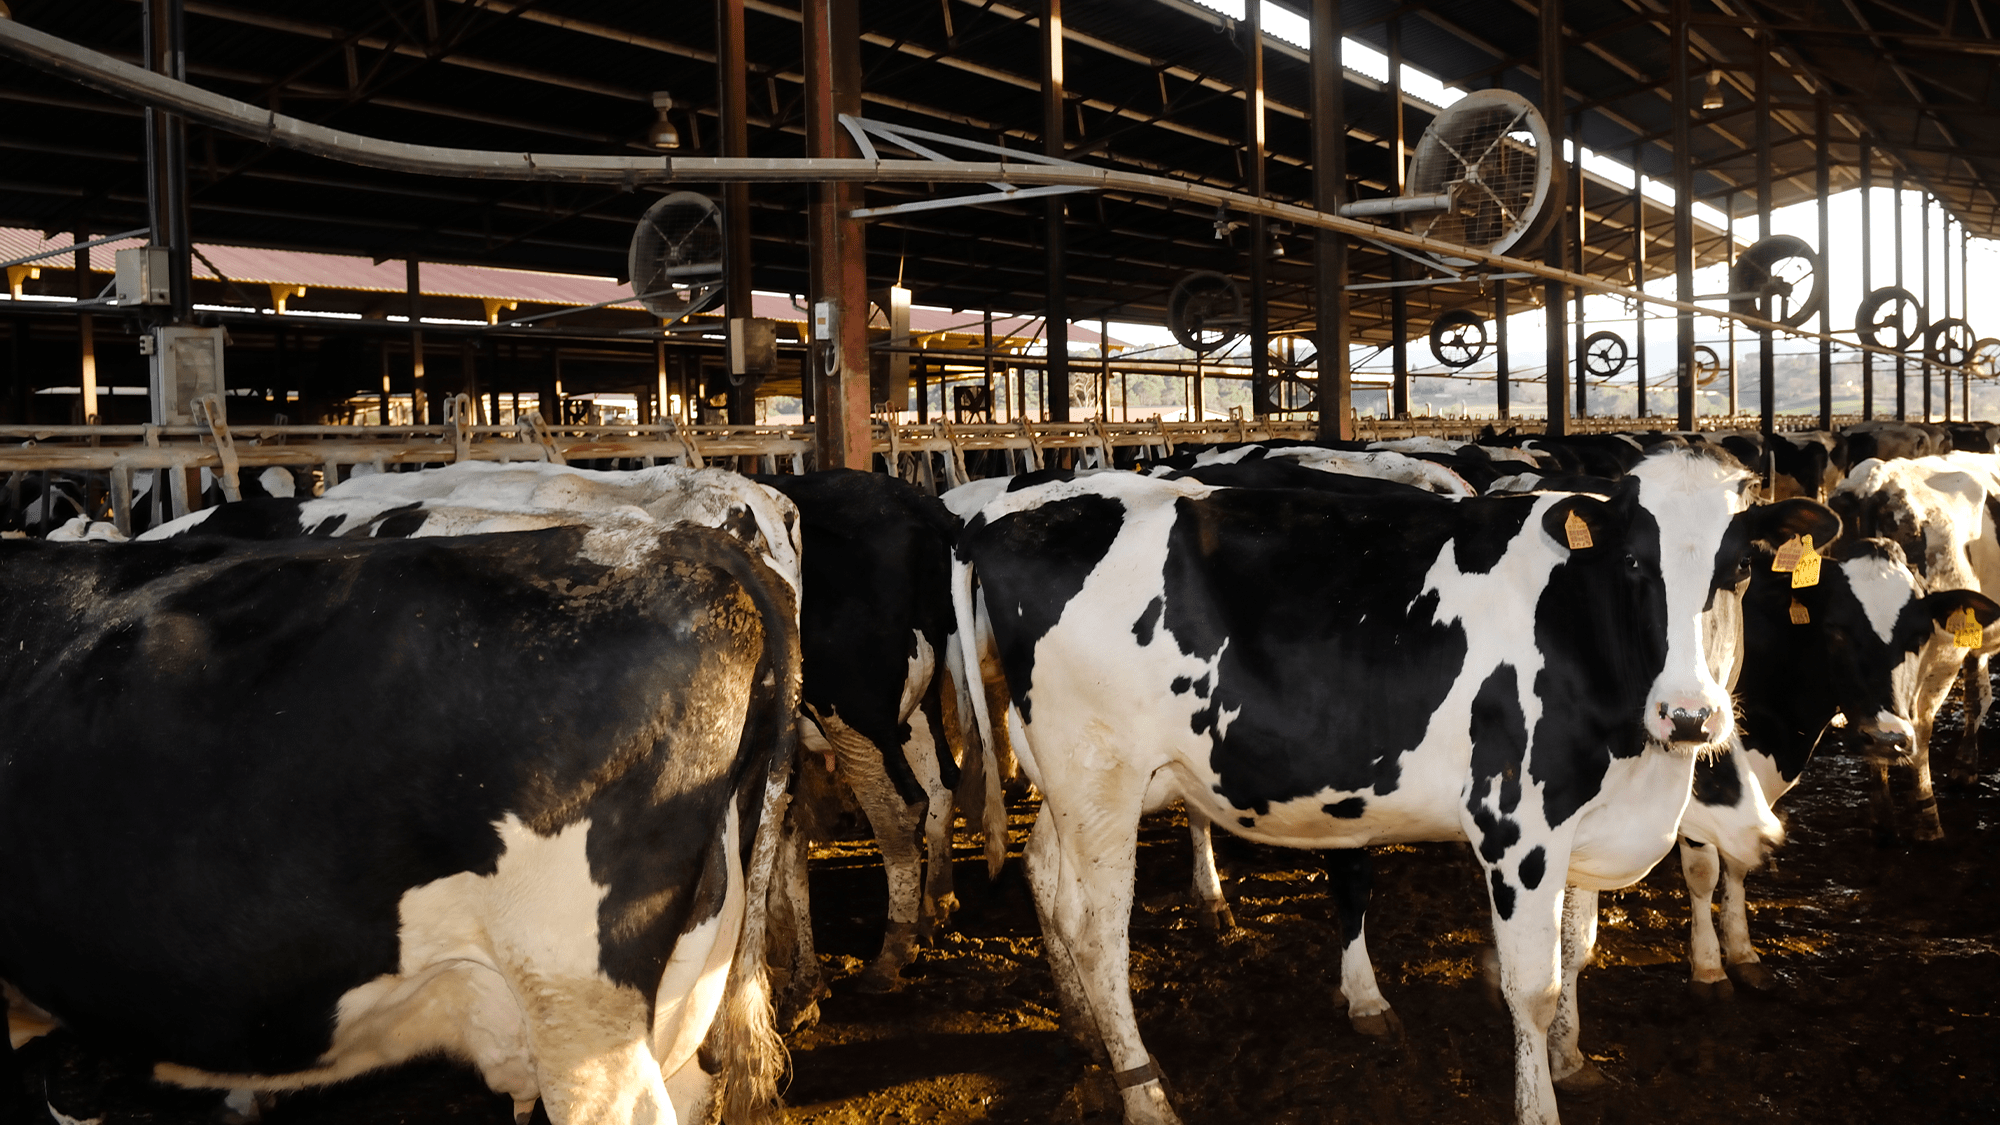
[
  {"x": 839, "y": 250},
  {"x": 733, "y": 100},
  {"x": 1867, "y": 271},
  {"x": 86, "y": 336},
  {"x": 1582, "y": 236},
  {"x": 1055, "y": 407},
  {"x": 1329, "y": 155},
  {"x": 1930, "y": 315},
  {"x": 1639, "y": 277},
  {"x": 1823, "y": 185},
  {"x": 1554, "y": 109},
  {"x": 1502, "y": 406},
  {"x": 1683, "y": 219},
  {"x": 419, "y": 391},
  {"x": 1399, "y": 297},
  {"x": 1896, "y": 241},
  {"x": 165, "y": 53},
  {"x": 1766, "y": 346},
  {"x": 1260, "y": 248}
]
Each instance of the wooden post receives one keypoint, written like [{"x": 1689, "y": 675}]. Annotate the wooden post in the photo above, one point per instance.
[
  {"x": 1554, "y": 105},
  {"x": 832, "y": 31},
  {"x": 1329, "y": 152}
]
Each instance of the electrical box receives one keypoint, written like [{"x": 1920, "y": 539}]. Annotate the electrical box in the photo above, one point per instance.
[
  {"x": 141, "y": 277},
  {"x": 186, "y": 364},
  {"x": 753, "y": 345}
]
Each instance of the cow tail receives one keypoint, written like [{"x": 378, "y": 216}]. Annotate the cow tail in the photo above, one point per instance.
[
  {"x": 976, "y": 717},
  {"x": 744, "y": 1036}
]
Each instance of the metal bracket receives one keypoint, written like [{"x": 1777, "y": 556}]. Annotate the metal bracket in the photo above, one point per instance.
[
  {"x": 1034, "y": 444},
  {"x": 692, "y": 452},
  {"x": 457, "y": 420},
  {"x": 531, "y": 428},
  {"x": 904, "y": 137},
  {"x": 208, "y": 408}
]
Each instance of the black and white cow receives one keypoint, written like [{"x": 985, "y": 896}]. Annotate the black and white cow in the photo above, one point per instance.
[
  {"x": 1526, "y": 673},
  {"x": 1854, "y": 644},
  {"x": 1941, "y": 512},
  {"x": 879, "y": 698},
  {"x": 282, "y": 813}
]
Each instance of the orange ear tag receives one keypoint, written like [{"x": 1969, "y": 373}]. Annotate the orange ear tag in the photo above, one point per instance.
[
  {"x": 1578, "y": 532},
  {"x": 1787, "y": 559},
  {"x": 1806, "y": 573},
  {"x": 1969, "y": 630},
  {"x": 1799, "y": 614}
]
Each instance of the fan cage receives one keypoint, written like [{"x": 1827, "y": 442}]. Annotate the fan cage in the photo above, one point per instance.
[
  {"x": 1491, "y": 151},
  {"x": 676, "y": 259}
]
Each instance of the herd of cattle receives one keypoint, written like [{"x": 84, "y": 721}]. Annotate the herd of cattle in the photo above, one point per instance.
[{"x": 520, "y": 763}]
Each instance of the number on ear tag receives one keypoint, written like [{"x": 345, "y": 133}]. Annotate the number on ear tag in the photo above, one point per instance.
[
  {"x": 1969, "y": 630},
  {"x": 1799, "y": 614},
  {"x": 1578, "y": 532},
  {"x": 1806, "y": 573},
  {"x": 1788, "y": 557}
]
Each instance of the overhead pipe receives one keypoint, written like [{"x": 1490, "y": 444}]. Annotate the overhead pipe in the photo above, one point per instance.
[{"x": 117, "y": 78}]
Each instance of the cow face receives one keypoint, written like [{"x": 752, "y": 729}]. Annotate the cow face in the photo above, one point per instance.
[
  {"x": 1704, "y": 538},
  {"x": 1873, "y": 630}
]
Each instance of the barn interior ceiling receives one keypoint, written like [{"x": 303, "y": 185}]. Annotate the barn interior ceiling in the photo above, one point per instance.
[{"x": 1154, "y": 86}]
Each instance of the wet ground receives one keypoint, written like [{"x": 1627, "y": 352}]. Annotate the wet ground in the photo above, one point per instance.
[{"x": 1887, "y": 1007}]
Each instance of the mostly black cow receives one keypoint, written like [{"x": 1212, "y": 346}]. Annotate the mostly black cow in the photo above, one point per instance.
[{"x": 282, "y": 813}]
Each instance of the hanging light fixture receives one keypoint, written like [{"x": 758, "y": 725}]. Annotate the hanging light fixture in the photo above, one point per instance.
[
  {"x": 1713, "y": 99},
  {"x": 663, "y": 134}
]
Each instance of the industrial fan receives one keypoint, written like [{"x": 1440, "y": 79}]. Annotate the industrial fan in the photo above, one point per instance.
[
  {"x": 1890, "y": 317},
  {"x": 1950, "y": 342},
  {"x": 1605, "y": 354},
  {"x": 676, "y": 260},
  {"x": 1483, "y": 176},
  {"x": 1458, "y": 338},
  {"x": 1294, "y": 367},
  {"x": 1205, "y": 311},
  {"x": 1777, "y": 278},
  {"x": 1707, "y": 364}
]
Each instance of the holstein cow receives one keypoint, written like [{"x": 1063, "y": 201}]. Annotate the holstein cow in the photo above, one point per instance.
[
  {"x": 1525, "y": 673},
  {"x": 282, "y": 813},
  {"x": 1854, "y": 643},
  {"x": 876, "y": 623},
  {"x": 1940, "y": 511}
]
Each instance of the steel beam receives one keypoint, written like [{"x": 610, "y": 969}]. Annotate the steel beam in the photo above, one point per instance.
[
  {"x": 1056, "y": 216},
  {"x": 1766, "y": 346},
  {"x": 1329, "y": 151},
  {"x": 1683, "y": 216},
  {"x": 1253, "y": 113},
  {"x": 1822, "y": 186},
  {"x": 1557, "y": 253},
  {"x": 1501, "y": 405},
  {"x": 733, "y": 100},
  {"x": 1867, "y": 270},
  {"x": 1399, "y": 297},
  {"x": 839, "y": 356}
]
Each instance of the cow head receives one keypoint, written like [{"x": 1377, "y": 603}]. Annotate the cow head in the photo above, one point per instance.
[
  {"x": 1677, "y": 533},
  {"x": 1873, "y": 631}
]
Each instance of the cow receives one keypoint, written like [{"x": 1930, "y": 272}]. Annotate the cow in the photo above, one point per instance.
[
  {"x": 1526, "y": 673},
  {"x": 282, "y": 813},
  {"x": 1940, "y": 511},
  {"x": 1854, "y": 644},
  {"x": 879, "y": 702}
]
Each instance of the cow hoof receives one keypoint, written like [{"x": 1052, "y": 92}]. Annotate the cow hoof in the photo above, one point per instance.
[
  {"x": 524, "y": 1111},
  {"x": 1712, "y": 991},
  {"x": 878, "y": 979},
  {"x": 1586, "y": 1079},
  {"x": 1221, "y": 920},
  {"x": 1752, "y": 975},
  {"x": 1384, "y": 1024}
]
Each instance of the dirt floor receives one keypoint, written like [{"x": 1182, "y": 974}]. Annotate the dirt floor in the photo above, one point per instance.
[{"x": 1886, "y": 1007}]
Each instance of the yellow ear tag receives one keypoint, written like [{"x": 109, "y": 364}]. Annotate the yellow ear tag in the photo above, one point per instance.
[
  {"x": 1799, "y": 614},
  {"x": 1806, "y": 573},
  {"x": 1969, "y": 630},
  {"x": 1578, "y": 532},
  {"x": 1787, "y": 559}
]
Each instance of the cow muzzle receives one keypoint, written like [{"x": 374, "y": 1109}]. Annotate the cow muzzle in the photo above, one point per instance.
[
  {"x": 1886, "y": 736},
  {"x": 1688, "y": 723}
]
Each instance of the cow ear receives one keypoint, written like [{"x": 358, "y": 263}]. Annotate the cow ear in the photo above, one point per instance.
[
  {"x": 1945, "y": 605},
  {"x": 1581, "y": 523},
  {"x": 1774, "y": 525}
]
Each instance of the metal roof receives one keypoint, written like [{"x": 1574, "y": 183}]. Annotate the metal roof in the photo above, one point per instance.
[{"x": 1155, "y": 85}]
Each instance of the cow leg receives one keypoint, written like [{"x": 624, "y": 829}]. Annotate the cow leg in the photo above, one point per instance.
[
  {"x": 592, "y": 1045},
  {"x": 921, "y": 752},
  {"x": 1928, "y": 826},
  {"x": 1350, "y": 875},
  {"x": 1744, "y": 964},
  {"x": 1528, "y": 938},
  {"x": 1882, "y": 804},
  {"x": 791, "y": 934},
  {"x": 895, "y": 826},
  {"x": 1212, "y": 908},
  {"x": 1572, "y": 1072},
  {"x": 1700, "y": 865},
  {"x": 1081, "y": 868},
  {"x": 1978, "y": 700},
  {"x": 979, "y": 771}
]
